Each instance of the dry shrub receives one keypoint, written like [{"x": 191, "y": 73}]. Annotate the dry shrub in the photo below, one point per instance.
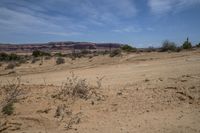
[
  {"x": 74, "y": 120},
  {"x": 116, "y": 52},
  {"x": 72, "y": 89},
  {"x": 47, "y": 57},
  {"x": 60, "y": 61},
  {"x": 34, "y": 60},
  {"x": 9, "y": 94},
  {"x": 11, "y": 65},
  {"x": 76, "y": 87}
]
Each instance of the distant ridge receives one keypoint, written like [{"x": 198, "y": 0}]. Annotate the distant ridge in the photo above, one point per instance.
[{"x": 56, "y": 46}]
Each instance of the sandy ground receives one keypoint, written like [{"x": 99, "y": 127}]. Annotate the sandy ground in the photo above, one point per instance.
[{"x": 146, "y": 92}]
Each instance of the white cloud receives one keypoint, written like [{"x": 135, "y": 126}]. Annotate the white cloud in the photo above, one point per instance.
[
  {"x": 104, "y": 12},
  {"x": 63, "y": 15},
  {"x": 13, "y": 21},
  {"x": 128, "y": 29},
  {"x": 166, "y": 6},
  {"x": 61, "y": 33}
]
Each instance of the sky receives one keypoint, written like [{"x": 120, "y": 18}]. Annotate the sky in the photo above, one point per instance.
[{"x": 141, "y": 23}]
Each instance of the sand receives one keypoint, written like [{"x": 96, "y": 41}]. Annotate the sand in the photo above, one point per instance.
[{"x": 145, "y": 92}]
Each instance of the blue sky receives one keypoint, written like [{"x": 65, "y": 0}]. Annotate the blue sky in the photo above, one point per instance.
[{"x": 141, "y": 23}]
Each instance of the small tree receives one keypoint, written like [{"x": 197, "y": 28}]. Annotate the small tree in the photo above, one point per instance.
[
  {"x": 187, "y": 44},
  {"x": 168, "y": 46}
]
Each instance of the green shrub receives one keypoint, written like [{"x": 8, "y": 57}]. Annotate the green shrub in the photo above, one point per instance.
[
  {"x": 60, "y": 61},
  {"x": 9, "y": 57},
  {"x": 187, "y": 45},
  {"x": 8, "y": 109},
  {"x": 168, "y": 46},
  {"x": 3, "y": 56},
  {"x": 128, "y": 48},
  {"x": 38, "y": 53},
  {"x": 116, "y": 52},
  {"x": 13, "y": 57}
]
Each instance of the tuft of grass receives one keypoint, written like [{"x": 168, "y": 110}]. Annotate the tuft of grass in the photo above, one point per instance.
[{"x": 8, "y": 109}]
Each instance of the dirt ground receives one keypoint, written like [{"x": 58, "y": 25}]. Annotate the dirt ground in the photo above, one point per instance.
[{"x": 144, "y": 92}]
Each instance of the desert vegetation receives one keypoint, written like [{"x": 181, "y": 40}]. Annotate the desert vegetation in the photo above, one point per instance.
[
  {"x": 75, "y": 87},
  {"x": 187, "y": 44},
  {"x": 10, "y": 93},
  {"x": 38, "y": 53},
  {"x": 60, "y": 60},
  {"x": 9, "y": 57},
  {"x": 116, "y": 52},
  {"x": 168, "y": 46},
  {"x": 11, "y": 65},
  {"x": 128, "y": 48}
]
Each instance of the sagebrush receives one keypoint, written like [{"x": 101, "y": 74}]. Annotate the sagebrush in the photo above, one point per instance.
[
  {"x": 75, "y": 87},
  {"x": 9, "y": 94}
]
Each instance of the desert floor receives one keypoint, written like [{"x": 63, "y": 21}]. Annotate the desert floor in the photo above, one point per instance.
[{"x": 140, "y": 93}]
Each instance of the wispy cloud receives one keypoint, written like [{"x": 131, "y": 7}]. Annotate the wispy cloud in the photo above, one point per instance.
[
  {"x": 61, "y": 33},
  {"x": 16, "y": 21},
  {"x": 150, "y": 29},
  {"x": 76, "y": 16},
  {"x": 128, "y": 29},
  {"x": 165, "y": 6}
]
